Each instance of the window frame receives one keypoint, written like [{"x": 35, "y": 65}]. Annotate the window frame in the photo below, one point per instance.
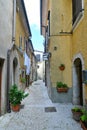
[{"x": 79, "y": 16}]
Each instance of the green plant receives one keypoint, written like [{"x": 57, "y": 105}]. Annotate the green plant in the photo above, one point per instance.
[
  {"x": 23, "y": 80},
  {"x": 15, "y": 95},
  {"x": 77, "y": 112},
  {"x": 83, "y": 111},
  {"x": 84, "y": 116},
  {"x": 62, "y": 65},
  {"x": 65, "y": 85},
  {"x": 77, "y": 109},
  {"x": 83, "y": 119},
  {"x": 61, "y": 85}
]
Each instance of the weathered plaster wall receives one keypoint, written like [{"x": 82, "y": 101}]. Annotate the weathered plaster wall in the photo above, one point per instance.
[
  {"x": 79, "y": 41},
  {"x": 6, "y": 17}
]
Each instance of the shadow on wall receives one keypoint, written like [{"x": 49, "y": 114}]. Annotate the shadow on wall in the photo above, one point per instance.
[{"x": 60, "y": 97}]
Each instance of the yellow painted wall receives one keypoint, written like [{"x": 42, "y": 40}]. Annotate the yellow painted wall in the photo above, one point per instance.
[
  {"x": 80, "y": 40},
  {"x": 68, "y": 45},
  {"x": 20, "y": 30},
  {"x": 61, "y": 55},
  {"x": 80, "y": 37},
  {"x": 60, "y": 21},
  {"x": 61, "y": 16}
]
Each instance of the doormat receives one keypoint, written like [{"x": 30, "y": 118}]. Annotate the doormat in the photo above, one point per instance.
[{"x": 50, "y": 109}]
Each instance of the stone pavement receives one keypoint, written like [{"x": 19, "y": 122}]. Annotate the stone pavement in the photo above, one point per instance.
[{"x": 37, "y": 113}]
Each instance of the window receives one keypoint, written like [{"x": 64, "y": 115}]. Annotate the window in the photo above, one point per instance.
[
  {"x": 38, "y": 57},
  {"x": 47, "y": 31},
  {"x": 24, "y": 43},
  {"x": 77, "y": 9},
  {"x": 23, "y": 73},
  {"x": 48, "y": 23},
  {"x": 20, "y": 42}
]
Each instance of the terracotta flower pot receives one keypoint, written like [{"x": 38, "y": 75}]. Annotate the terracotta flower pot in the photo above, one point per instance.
[
  {"x": 61, "y": 68},
  {"x": 15, "y": 108},
  {"x": 83, "y": 125},
  {"x": 76, "y": 115},
  {"x": 60, "y": 90}
]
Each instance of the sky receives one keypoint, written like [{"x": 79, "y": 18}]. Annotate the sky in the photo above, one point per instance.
[{"x": 33, "y": 13}]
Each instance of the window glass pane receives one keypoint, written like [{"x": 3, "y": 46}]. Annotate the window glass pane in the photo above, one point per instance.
[{"x": 77, "y": 8}]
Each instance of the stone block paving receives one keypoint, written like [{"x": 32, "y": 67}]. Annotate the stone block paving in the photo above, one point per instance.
[{"x": 34, "y": 116}]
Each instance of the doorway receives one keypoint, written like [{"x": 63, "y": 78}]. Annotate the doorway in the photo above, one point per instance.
[
  {"x": 77, "y": 82},
  {"x": 15, "y": 63},
  {"x": 1, "y": 67}
]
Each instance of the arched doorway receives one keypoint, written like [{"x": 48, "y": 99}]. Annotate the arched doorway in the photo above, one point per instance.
[
  {"x": 77, "y": 82},
  {"x": 15, "y": 63},
  {"x": 1, "y": 67}
]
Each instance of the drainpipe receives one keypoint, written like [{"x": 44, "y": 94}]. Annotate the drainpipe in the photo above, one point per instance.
[
  {"x": 9, "y": 53},
  {"x": 45, "y": 50},
  {"x": 14, "y": 21},
  {"x": 8, "y": 81}
]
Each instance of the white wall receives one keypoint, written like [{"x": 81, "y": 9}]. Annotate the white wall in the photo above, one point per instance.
[{"x": 40, "y": 70}]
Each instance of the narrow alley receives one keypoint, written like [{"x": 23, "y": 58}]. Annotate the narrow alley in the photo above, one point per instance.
[{"x": 39, "y": 113}]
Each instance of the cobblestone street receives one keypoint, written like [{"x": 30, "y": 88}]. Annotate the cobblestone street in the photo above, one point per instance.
[{"x": 38, "y": 113}]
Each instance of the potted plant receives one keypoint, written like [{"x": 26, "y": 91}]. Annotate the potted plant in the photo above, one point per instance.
[
  {"x": 83, "y": 120},
  {"x": 61, "y": 87},
  {"x": 85, "y": 82},
  {"x": 77, "y": 113},
  {"x": 15, "y": 97},
  {"x": 62, "y": 67},
  {"x": 23, "y": 80}
]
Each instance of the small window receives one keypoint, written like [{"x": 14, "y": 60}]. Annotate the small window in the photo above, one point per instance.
[
  {"x": 48, "y": 23},
  {"x": 20, "y": 42},
  {"x": 24, "y": 43},
  {"x": 77, "y": 9},
  {"x": 22, "y": 73}
]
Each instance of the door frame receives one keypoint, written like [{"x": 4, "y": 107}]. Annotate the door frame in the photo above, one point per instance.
[
  {"x": 1, "y": 68},
  {"x": 75, "y": 81}
]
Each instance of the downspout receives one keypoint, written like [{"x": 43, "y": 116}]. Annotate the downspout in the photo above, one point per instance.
[
  {"x": 45, "y": 50},
  {"x": 8, "y": 81},
  {"x": 9, "y": 54},
  {"x": 14, "y": 21}
]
